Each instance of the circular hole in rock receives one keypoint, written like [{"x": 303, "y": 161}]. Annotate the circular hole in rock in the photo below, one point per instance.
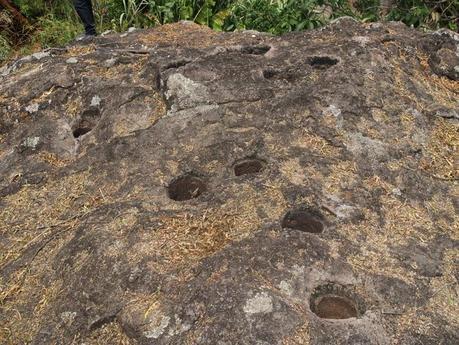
[
  {"x": 83, "y": 127},
  {"x": 322, "y": 62},
  {"x": 302, "y": 220},
  {"x": 248, "y": 166},
  {"x": 255, "y": 50},
  {"x": 186, "y": 187},
  {"x": 88, "y": 121},
  {"x": 334, "y": 301},
  {"x": 269, "y": 73},
  {"x": 81, "y": 131}
]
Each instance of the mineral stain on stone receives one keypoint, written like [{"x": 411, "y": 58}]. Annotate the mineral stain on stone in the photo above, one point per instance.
[
  {"x": 186, "y": 187},
  {"x": 302, "y": 220},
  {"x": 248, "y": 166}
]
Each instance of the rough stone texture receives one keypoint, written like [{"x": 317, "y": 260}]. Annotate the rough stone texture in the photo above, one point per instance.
[{"x": 357, "y": 124}]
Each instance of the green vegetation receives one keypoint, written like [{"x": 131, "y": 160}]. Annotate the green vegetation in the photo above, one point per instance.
[
  {"x": 427, "y": 14},
  {"x": 54, "y": 22},
  {"x": 5, "y": 48}
]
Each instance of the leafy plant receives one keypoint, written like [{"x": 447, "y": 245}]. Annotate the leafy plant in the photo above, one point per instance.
[
  {"x": 205, "y": 12},
  {"x": 56, "y": 32},
  {"x": 56, "y": 23},
  {"x": 430, "y": 14},
  {"x": 279, "y": 16},
  {"x": 133, "y": 14}
]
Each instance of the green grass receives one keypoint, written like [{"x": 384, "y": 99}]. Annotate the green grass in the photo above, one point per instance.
[
  {"x": 5, "y": 48},
  {"x": 56, "y": 32}
]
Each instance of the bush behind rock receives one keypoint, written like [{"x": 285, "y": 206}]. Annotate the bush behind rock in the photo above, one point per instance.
[{"x": 55, "y": 22}]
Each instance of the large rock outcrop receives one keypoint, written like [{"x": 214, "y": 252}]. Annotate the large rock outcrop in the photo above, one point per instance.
[{"x": 182, "y": 186}]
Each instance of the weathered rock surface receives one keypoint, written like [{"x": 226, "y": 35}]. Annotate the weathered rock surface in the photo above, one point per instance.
[{"x": 181, "y": 186}]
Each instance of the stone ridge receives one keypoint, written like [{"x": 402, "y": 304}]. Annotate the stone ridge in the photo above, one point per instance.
[{"x": 183, "y": 186}]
